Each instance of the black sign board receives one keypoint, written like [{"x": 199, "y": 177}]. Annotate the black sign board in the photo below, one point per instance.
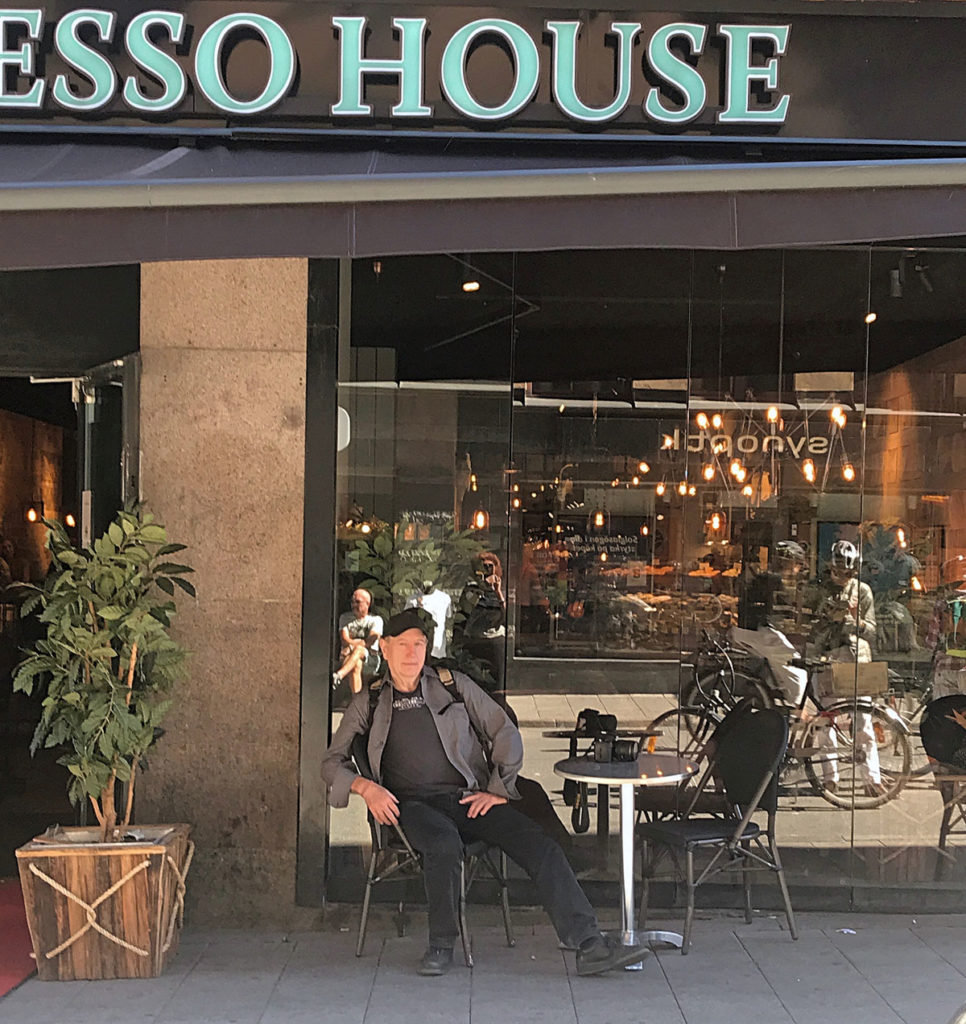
[{"x": 310, "y": 66}]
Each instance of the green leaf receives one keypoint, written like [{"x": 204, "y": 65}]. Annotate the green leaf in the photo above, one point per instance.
[
  {"x": 110, "y": 612},
  {"x": 185, "y": 585},
  {"x": 165, "y": 584},
  {"x": 172, "y": 568},
  {"x": 115, "y": 533},
  {"x": 170, "y": 549},
  {"x": 153, "y": 534}
]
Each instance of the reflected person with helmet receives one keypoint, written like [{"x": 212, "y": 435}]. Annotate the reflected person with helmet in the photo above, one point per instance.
[{"x": 845, "y": 630}]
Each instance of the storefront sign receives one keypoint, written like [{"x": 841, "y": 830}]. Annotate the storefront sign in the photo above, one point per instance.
[
  {"x": 284, "y": 65},
  {"x": 159, "y": 67},
  {"x": 795, "y": 446}
]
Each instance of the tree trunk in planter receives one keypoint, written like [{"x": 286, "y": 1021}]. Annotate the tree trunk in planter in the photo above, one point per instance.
[{"x": 105, "y": 910}]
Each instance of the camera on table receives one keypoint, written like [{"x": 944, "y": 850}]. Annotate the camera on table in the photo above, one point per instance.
[
  {"x": 609, "y": 748},
  {"x": 602, "y": 729}
]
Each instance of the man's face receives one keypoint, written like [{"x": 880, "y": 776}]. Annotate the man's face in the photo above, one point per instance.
[
  {"x": 405, "y": 654},
  {"x": 360, "y": 603}
]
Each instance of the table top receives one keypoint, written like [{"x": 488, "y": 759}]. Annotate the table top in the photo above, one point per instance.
[
  {"x": 565, "y": 734},
  {"x": 647, "y": 770}
]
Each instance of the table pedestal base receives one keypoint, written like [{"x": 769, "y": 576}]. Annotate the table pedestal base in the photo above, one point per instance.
[{"x": 650, "y": 937}]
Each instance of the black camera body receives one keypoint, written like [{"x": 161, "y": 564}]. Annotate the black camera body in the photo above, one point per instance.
[{"x": 608, "y": 748}]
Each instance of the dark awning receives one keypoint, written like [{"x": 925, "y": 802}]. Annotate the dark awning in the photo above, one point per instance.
[{"x": 96, "y": 199}]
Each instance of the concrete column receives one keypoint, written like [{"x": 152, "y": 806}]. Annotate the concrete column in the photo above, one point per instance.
[{"x": 222, "y": 435}]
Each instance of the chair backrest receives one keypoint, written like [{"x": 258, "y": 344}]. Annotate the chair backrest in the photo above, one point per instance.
[
  {"x": 749, "y": 752},
  {"x": 943, "y": 737}
]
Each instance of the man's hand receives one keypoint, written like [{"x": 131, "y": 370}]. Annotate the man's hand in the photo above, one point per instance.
[
  {"x": 480, "y": 803},
  {"x": 383, "y": 806}
]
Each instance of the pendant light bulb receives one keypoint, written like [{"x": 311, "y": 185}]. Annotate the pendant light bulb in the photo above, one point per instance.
[
  {"x": 717, "y": 421},
  {"x": 702, "y": 420}
]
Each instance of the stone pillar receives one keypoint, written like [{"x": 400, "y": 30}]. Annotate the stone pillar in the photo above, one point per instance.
[{"x": 223, "y": 441}]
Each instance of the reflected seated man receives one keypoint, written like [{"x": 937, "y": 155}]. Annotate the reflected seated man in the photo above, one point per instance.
[
  {"x": 359, "y": 634},
  {"x": 432, "y": 776}
]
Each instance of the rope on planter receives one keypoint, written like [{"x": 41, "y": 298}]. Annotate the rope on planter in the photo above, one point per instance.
[
  {"x": 91, "y": 909},
  {"x": 177, "y": 911}
]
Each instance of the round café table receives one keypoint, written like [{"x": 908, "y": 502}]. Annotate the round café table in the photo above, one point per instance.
[
  {"x": 603, "y": 791},
  {"x": 647, "y": 770}
]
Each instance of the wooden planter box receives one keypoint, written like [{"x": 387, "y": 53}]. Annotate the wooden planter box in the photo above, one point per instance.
[{"x": 122, "y": 917}]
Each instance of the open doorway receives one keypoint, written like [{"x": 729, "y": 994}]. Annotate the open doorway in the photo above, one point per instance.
[{"x": 38, "y": 479}]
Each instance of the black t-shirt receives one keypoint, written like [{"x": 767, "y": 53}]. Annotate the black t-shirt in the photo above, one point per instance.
[{"x": 414, "y": 763}]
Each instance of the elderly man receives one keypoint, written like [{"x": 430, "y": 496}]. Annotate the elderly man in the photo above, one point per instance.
[{"x": 433, "y": 777}]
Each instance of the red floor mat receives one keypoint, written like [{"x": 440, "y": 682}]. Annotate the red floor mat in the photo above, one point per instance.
[{"x": 16, "y": 963}]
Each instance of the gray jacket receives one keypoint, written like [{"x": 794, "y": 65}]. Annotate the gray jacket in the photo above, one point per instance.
[{"x": 455, "y": 721}]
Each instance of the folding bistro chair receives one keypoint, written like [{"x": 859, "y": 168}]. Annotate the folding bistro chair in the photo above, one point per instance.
[
  {"x": 746, "y": 760},
  {"x": 943, "y": 732},
  {"x": 394, "y": 857}
]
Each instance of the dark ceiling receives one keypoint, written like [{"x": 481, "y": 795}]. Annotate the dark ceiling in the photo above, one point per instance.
[{"x": 593, "y": 315}]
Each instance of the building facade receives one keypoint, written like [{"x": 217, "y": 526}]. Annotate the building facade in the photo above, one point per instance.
[{"x": 716, "y": 328}]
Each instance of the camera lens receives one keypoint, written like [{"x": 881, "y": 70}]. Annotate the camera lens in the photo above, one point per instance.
[{"x": 626, "y": 750}]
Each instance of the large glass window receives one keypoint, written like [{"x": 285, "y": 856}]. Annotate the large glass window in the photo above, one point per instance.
[{"x": 623, "y": 479}]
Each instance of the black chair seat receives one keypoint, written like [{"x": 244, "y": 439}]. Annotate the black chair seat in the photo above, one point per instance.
[{"x": 695, "y": 831}]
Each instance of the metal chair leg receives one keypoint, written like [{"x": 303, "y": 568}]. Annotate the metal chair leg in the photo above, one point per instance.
[
  {"x": 505, "y": 901},
  {"x": 464, "y": 930},
  {"x": 689, "y": 913},
  {"x": 780, "y": 871},
  {"x": 364, "y": 921},
  {"x": 746, "y": 884},
  {"x": 645, "y": 884}
]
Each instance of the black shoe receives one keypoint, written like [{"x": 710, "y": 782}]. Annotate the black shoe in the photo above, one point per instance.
[
  {"x": 605, "y": 953},
  {"x": 436, "y": 960}
]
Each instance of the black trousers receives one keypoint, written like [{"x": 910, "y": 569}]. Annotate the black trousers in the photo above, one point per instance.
[{"x": 438, "y": 827}]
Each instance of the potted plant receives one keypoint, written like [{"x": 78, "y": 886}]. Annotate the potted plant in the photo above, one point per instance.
[{"x": 104, "y": 902}]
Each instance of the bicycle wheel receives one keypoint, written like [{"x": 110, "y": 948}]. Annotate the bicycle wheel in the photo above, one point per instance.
[
  {"x": 836, "y": 749},
  {"x": 722, "y": 689},
  {"x": 684, "y": 730}
]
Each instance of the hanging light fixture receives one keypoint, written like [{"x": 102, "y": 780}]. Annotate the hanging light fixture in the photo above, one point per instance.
[
  {"x": 692, "y": 491},
  {"x": 848, "y": 472},
  {"x": 808, "y": 470},
  {"x": 701, "y": 420},
  {"x": 660, "y": 489},
  {"x": 599, "y": 518},
  {"x": 735, "y": 468},
  {"x": 667, "y": 441},
  {"x": 69, "y": 520},
  {"x": 644, "y": 530},
  {"x": 708, "y": 472},
  {"x": 717, "y": 420},
  {"x": 747, "y": 490},
  {"x": 481, "y": 519},
  {"x": 643, "y": 468},
  {"x": 469, "y": 281},
  {"x": 772, "y": 414},
  {"x": 682, "y": 488}
]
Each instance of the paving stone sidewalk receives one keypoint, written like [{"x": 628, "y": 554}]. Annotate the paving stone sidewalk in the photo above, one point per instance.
[{"x": 846, "y": 968}]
